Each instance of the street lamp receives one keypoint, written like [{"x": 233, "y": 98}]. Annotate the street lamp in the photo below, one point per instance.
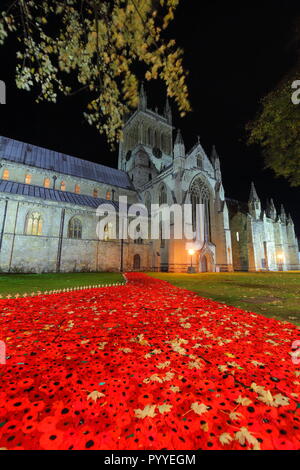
[
  {"x": 280, "y": 258},
  {"x": 191, "y": 252}
]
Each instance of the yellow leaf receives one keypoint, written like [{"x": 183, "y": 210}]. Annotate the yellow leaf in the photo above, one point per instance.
[
  {"x": 164, "y": 408},
  {"x": 95, "y": 395},
  {"x": 148, "y": 411},
  {"x": 225, "y": 438},
  {"x": 199, "y": 408},
  {"x": 244, "y": 401}
]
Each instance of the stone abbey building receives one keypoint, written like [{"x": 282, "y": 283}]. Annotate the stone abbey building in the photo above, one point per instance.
[{"x": 48, "y": 204}]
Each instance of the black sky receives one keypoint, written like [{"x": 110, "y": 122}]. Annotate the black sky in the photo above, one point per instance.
[{"x": 234, "y": 55}]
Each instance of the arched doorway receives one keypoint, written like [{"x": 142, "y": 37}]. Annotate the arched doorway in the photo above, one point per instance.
[
  {"x": 203, "y": 264},
  {"x": 136, "y": 262}
]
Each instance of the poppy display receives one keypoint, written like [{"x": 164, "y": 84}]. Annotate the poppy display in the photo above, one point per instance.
[{"x": 145, "y": 366}]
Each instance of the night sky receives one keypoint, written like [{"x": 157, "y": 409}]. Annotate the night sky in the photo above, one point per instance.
[{"x": 234, "y": 57}]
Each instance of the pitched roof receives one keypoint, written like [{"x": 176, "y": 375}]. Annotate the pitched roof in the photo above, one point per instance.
[
  {"x": 31, "y": 155},
  {"x": 49, "y": 194}
]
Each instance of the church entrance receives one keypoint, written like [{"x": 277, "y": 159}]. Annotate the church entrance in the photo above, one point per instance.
[
  {"x": 203, "y": 264},
  {"x": 136, "y": 262}
]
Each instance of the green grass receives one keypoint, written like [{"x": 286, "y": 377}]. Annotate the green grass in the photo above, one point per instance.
[
  {"x": 275, "y": 295},
  {"x": 21, "y": 283}
]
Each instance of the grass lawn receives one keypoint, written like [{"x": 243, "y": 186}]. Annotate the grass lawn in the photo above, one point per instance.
[
  {"x": 275, "y": 295},
  {"x": 21, "y": 283}
]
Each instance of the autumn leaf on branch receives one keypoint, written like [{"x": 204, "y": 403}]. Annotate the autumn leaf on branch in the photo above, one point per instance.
[{"x": 96, "y": 47}]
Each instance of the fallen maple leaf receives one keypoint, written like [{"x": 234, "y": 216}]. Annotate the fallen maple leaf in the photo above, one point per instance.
[
  {"x": 234, "y": 416},
  {"x": 225, "y": 438},
  {"x": 95, "y": 395},
  {"x": 163, "y": 365},
  {"x": 244, "y": 436},
  {"x": 164, "y": 408},
  {"x": 148, "y": 411},
  {"x": 244, "y": 401},
  {"x": 199, "y": 408}
]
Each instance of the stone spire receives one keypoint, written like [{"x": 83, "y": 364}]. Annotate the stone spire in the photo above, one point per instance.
[
  {"x": 168, "y": 111},
  {"x": 253, "y": 194},
  {"x": 290, "y": 220},
  {"x": 142, "y": 98},
  {"x": 179, "y": 147},
  {"x": 214, "y": 155},
  {"x": 283, "y": 217},
  {"x": 271, "y": 209},
  {"x": 254, "y": 203},
  {"x": 215, "y": 160}
]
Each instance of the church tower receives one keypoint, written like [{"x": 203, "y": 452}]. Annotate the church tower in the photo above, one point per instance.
[
  {"x": 147, "y": 147},
  {"x": 254, "y": 203}
]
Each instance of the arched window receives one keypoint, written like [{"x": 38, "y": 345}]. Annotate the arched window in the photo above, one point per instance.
[
  {"x": 5, "y": 175},
  {"x": 199, "y": 161},
  {"x": 108, "y": 232},
  {"x": 199, "y": 193},
  {"x": 47, "y": 183},
  {"x": 161, "y": 236},
  {"x": 75, "y": 228},
  {"x": 62, "y": 186},
  {"x": 149, "y": 137},
  {"x": 162, "y": 198},
  {"x": 77, "y": 189},
  {"x": 156, "y": 143},
  {"x": 163, "y": 142},
  {"x": 28, "y": 178},
  {"x": 108, "y": 195},
  {"x": 33, "y": 224},
  {"x": 136, "y": 262},
  {"x": 95, "y": 193}
]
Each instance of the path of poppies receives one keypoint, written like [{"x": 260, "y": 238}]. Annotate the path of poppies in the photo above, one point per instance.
[{"x": 145, "y": 366}]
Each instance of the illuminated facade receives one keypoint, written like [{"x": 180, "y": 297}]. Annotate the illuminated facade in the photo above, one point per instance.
[{"x": 48, "y": 205}]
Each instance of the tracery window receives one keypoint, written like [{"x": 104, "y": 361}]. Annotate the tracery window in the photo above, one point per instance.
[
  {"x": 33, "y": 224},
  {"x": 75, "y": 228},
  {"x": 199, "y": 193}
]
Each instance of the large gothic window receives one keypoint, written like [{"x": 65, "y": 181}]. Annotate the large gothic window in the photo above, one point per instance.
[
  {"x": 75, "y": 229},
  {"x": 200, "y": 195},
  {"x": 33, "y": 224}
]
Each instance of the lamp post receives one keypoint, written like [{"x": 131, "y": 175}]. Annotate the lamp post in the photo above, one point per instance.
[
  {"x": 191, "y": 269},
  {"x": 280, "y": 258}
]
